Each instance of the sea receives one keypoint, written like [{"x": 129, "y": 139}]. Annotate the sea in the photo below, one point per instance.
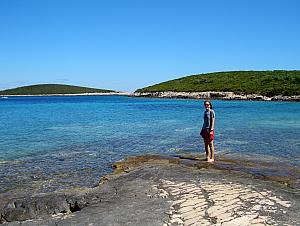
[{"x": 49, "y": 143}]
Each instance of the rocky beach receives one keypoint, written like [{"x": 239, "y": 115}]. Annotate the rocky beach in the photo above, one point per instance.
[{"x": 155, "y": 190}]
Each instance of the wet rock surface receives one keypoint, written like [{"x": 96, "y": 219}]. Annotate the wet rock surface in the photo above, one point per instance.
[{"x": 157, "y": 191}]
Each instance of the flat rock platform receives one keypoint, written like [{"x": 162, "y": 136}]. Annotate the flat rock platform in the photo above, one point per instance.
[{"x": 163, "y": 191}]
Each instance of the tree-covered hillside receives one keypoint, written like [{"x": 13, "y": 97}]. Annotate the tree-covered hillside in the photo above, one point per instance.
[
  {"x": 267, "y": 83},
  {"x": 46, "y": 89}
]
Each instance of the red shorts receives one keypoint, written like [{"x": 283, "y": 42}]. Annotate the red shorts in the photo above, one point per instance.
[{"x": 207, "y": 136}]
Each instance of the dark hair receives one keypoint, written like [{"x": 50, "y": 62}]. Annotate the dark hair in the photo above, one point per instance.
[{"x": 211, "y": 107}]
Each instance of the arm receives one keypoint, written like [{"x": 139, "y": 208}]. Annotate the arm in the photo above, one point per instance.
[{"x": 212, "y": 125}]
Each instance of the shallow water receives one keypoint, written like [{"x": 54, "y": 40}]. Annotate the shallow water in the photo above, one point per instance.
[{"x": 50, "y": 143}]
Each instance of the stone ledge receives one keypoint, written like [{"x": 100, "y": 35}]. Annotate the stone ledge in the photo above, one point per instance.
[{"x": 154, "y": 190}]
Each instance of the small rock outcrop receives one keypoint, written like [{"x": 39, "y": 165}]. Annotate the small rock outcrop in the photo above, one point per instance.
[{"x": 47, "y": 205}]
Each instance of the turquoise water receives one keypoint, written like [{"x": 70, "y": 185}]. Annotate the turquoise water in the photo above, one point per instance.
[{"x": 59, "y": 142}]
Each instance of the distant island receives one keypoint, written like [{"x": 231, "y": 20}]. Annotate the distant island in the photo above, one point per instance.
[
  {"x": 257, "y": 85},
  {"x": 55, "y": 89}
]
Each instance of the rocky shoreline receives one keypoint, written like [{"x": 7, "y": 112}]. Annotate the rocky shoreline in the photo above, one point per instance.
[
  {"x": 183, "y": 95},
  {"x": 156, "y": 190},
  {"x": 216, "y": 95}
]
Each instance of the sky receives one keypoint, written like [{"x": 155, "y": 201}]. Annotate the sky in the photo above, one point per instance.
[{"x": 129, "y": 44}]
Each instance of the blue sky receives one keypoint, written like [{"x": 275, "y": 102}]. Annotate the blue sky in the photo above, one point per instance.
[{"x": 126, "y": 44}]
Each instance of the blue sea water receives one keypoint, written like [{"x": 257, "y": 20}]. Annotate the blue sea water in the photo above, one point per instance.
[{"x": 60, "y": 142}]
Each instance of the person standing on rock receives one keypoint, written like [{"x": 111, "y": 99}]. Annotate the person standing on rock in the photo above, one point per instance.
[{"x": 207, "y": 131}]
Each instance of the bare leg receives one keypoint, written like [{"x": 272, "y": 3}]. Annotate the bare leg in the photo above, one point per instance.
[
  {"x": 207, "y": 150},
  {"x": 212, "y": 151}
]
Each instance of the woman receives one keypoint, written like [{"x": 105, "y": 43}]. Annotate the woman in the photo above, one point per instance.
[{"x": 207, "y": 131}]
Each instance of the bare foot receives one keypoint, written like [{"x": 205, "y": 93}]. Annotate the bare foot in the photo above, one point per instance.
[{"x": 211, "y": 160}]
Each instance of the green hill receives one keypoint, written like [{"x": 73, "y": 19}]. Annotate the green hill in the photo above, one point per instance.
[
  {"x": 46, "y": 89},
  {"x": 267, "y": 83}
]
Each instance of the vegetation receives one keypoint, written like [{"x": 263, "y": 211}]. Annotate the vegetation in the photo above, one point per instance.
[
  {"x": 267, "y": 83},
  {"x": 45, "y": 89}
]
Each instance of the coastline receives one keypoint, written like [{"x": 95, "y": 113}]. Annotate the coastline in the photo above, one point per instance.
[
  {"x": 72, "y": 94},
  {"x": 210, "y": 95},
  {"x": 163, "y": 190},
  {"x": 226, "y": 168},
  {"x": 215, "y": 95}
]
